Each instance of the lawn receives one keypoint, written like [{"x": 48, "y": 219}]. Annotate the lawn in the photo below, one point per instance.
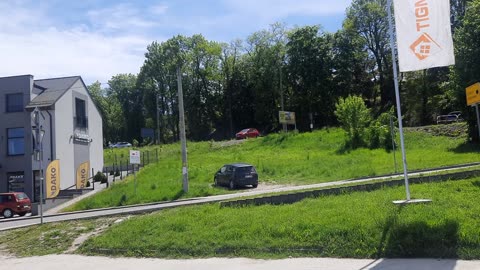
[
  {"x": 291, "y": 158},
  {"x": 356, "y": 225}
]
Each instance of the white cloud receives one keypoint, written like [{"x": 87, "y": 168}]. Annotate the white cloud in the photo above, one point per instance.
[
  {"x": 159, "y": 9},
  {"x": 120, "y": 17},
  {"x": 32, "y": 45}
]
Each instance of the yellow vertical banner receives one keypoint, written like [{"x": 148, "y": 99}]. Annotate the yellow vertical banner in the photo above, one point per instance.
[
  {"x": 82, "y": 174},
  {"x": 53, "y": 179}
]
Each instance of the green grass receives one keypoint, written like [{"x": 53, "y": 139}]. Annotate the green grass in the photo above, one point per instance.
[
  {"x": 291, "y": 158},
  {"x": 49, "y": 238},
  {"x": 356, "y": 225}
]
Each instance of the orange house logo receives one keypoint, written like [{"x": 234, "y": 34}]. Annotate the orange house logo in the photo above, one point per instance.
[{"x": 424, "y": 46}]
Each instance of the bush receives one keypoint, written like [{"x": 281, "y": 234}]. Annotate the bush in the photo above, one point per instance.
[
  {"x": 87, "y": 184},
  {"x": 100, "y": 177},
  {"x": 135, "y": 143},
  {"x": 354, "y": 117},
  {"x": 379, "y": 133}
]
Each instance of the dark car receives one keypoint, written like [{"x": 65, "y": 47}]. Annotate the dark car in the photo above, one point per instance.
[
  {"x": 247, "y": 133},
  {"x": 236, "y": 175},
  {"x": 14, "y": 203}
]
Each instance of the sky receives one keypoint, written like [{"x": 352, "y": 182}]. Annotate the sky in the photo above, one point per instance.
[{"x": 97, "y": 39}]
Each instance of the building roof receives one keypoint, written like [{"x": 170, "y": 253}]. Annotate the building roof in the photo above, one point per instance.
[{"x": 52, "y": 90}]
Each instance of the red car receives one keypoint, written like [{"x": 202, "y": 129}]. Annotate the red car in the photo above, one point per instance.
[
  {"x": 247, "y": 133},
  {"x": 14, "y": 203}
]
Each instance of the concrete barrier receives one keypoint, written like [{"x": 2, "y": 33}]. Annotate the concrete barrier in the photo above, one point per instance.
[{"x": 297, "y": 196}]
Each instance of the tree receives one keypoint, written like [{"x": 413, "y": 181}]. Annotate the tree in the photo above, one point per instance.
[
  {"x": 309, "y": 74},
  {"x": 467, "y": 53},
  {"x": 369, "y": 19},
  {"x": 123, "y": 88},
  {"x": 354, "y": 117}
]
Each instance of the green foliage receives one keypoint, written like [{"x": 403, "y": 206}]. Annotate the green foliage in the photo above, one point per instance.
[
  {"x": 379, "y": 133},
  {"x": 352, "y": 225},
  {"x": 354, "y": 117},
  {"x": 135, "y": 143},
  {"x": 100, "y": 177}
]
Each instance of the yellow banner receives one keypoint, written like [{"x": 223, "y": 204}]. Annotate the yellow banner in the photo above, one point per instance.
[
  {"x": 82, "y": 174},
  {"x": 53, "y": 179}
]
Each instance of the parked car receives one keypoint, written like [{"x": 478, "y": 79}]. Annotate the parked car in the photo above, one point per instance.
[
  {"x": 14, "y": 203},
  {"x": 121, "y": 145},
  {"x": 236, "y": 175},
  {"x": 247, "y": 133}
]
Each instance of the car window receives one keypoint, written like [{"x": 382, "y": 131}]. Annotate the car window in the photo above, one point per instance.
[
  {"x": 10, "y": 198},
  {"x": 229, "y": 168},
  {"x": 244, "y": 130},
  {"x": 223, "y": 169},
  {"x": 3, "y": 198},
  {"x": 22, "y": 196},
  {"x": 248, "y": 169}
]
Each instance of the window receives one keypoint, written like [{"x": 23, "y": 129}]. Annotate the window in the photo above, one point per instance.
[
  {"x": 80, "y": 114},
  {"x": 16, "y": 182},
  {"x": 16, "y": 141},
  {"x": 14, "y": 102}
]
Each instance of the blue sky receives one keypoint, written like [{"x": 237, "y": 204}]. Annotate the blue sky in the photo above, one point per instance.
[{"x": 98, "y": 39}]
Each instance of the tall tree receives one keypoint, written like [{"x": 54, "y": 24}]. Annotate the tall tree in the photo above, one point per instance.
[
  {"x": 123, "y": 87},
  {"x": 309, "y": 73},
  {"x": 369, "y": 19}
]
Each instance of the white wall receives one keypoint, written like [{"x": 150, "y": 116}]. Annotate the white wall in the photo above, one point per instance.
[{"x": 64, "y": 131}]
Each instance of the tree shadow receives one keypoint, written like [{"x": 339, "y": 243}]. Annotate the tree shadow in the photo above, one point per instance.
[
  {"x": 421, "y": 240},
  {"x": 476, "y": 183},
  {"x": 416, "y": 264},
  {"x": 465, "y": 147},
  {"x": 178, "y": 195}
]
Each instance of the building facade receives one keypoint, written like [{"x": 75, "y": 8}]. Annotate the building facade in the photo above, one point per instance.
[{"x": 71, "y": 123}]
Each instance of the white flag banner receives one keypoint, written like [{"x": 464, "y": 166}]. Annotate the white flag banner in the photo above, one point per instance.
[{"x": 424, "y": 37}]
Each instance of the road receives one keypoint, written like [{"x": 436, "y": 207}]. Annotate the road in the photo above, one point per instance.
[
  {"x": 6, "y": 224},
  {"x": 77, "y": 262}
]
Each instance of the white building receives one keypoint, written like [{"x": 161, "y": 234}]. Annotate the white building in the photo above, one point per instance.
[{"x": 72, "y": 125}]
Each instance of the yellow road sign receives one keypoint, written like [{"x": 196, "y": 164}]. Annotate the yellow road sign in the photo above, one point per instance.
[{"x": 473, "y": 94}]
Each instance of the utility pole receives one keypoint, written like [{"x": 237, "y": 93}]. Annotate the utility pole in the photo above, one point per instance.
[
  {"x": 158, "y": 120},
  {"x": 183, "y": 139},
  {"x": 39, "y": 156}
]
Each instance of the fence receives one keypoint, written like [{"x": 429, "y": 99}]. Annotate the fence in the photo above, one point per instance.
[{"x": 122, "y": 162}]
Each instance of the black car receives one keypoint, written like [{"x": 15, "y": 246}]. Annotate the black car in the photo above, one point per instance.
[{"x": 236, "y": 175}]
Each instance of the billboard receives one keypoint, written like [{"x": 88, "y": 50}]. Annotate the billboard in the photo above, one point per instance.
[{"x": 286, "y": 117}]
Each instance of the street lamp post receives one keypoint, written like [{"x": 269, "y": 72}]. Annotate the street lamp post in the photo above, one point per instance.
[{"x": 38, "y": 138}]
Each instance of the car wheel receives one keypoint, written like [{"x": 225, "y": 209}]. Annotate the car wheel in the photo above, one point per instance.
[
  {"x": 215, "y": 182},
  {"x": 232, "y": 184},
  {"x": 255, "y": 185},
  {"x": 7, "y": 213},
  {"x": 22, "y": 214}
]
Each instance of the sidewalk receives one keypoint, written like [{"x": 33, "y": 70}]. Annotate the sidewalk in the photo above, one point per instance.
[{"x": 77, "y": 262}]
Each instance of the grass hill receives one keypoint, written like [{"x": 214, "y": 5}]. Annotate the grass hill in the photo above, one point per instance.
[{"x": 291, "y": 158}]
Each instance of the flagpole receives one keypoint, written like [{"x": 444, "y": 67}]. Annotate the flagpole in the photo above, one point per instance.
[{"x": 397, "y": 96}]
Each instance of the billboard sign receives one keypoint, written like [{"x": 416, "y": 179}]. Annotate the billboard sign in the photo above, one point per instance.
[{"x": 286, "y": 117}]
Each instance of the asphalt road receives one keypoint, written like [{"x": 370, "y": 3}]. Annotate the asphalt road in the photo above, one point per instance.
[
  {"x": 6, "y": 224},
  {"x": 76, "y": 262}
]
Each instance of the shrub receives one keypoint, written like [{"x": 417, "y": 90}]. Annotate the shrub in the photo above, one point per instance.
[
  {"x": 354, "y": 117},
  {"x": 87, "y": 184},
  {"x": 100, "y": 177},
  {"x": 135, "y": 143}
]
